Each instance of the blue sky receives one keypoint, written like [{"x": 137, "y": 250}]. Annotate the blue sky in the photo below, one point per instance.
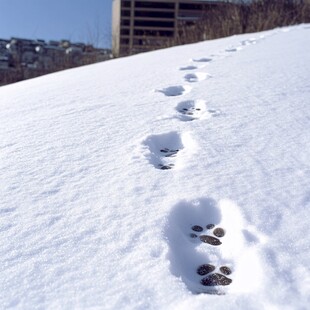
[{"x": 87, "y": 21}]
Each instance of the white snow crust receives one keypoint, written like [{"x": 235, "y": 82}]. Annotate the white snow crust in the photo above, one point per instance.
[{"x": 89, "y": 220}]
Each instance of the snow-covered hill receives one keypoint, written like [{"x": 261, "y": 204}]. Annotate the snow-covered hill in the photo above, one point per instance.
[{"x": 175, "y": 179}]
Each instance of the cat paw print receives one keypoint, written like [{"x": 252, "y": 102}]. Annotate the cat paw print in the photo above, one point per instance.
[
  {"x": 190, "y": 111},
  {"x": 214, "y": 278},
  {"x": 218, "y": 232}
]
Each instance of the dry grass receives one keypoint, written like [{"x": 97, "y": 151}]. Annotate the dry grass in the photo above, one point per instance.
[{"x": 229, "y": 19}]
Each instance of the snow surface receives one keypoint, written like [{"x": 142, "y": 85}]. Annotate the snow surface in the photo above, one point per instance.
[{"x": 90, "y": 220}]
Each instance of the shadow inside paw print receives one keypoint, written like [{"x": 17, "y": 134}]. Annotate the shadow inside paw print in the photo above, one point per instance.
[
  {"x": 195, "y": 77},
  {"x": 214, "y": 279},
  {"x": 217, "y": 232},
  {"x": 177, "y": 90},
  {"x": 204, "y": 59}
]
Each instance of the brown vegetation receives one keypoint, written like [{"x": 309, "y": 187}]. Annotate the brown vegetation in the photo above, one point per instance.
[{"x": 221, "y": 21}]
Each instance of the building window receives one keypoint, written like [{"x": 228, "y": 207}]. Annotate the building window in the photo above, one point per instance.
[
  {"x": 126, "y": 13},
  {"x": 126, "y": 4},
  {"x": 190, "y": 6},
  {"x": 125, "y": 32},
  {"x": 149, "y": 42},
  {"x": 153, "y": 33},
  {"x": 154, "y": 14},
  {"x": 151, "y": 23},
  {"x": 125, "y": 41},
  {"x": 155, "y": 5},
  {"x": 125, "y": 22}
]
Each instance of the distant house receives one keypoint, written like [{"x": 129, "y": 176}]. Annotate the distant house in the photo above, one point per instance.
[
  {"x": 140, "y": 26},
  {"x": 4, "y": 55},
  {"x": 4, "y": 62}
]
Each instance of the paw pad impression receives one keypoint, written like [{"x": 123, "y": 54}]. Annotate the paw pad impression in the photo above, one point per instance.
[
  {"x": 190, "y": 111},
  {"x": 214, "y": 279},
  {"x": 217, "y": 232}
]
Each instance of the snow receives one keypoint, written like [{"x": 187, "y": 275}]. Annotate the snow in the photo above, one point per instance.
[{"x": 91, "y": 219}]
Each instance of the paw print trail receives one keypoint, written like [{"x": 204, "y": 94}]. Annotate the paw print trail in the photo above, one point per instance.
[{"x": 205, "y": 237}]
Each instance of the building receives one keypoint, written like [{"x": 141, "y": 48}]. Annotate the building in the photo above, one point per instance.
[
  {"x": 146, "y": 25},
  {"x": 23, "y": 58}
]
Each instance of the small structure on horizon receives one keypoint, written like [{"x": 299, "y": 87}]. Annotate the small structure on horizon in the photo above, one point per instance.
[{"x": 21, "y": 59}]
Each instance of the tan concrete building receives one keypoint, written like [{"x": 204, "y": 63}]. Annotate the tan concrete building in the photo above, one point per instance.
[{"x": 139, "y": 26}]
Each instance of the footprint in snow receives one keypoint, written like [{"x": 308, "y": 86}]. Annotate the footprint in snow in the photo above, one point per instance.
[
  {"x": 204, "y": 59},
  {"x": 7, "y": 210},
  {"x": 196, "y": 77},
  {"x": 187, "y": 68},
  {"x": 194, "y": 234},
  {"x": 249, "y": 41},
  {"x": 164, "y": 150},
  {"x": 190, "y": 110},
  {"x": 212, "y": 238},
  {"x": 233, "y": 49},
  {"x": 208, "y": 249},
  {"x": 175, "y": 90}
]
